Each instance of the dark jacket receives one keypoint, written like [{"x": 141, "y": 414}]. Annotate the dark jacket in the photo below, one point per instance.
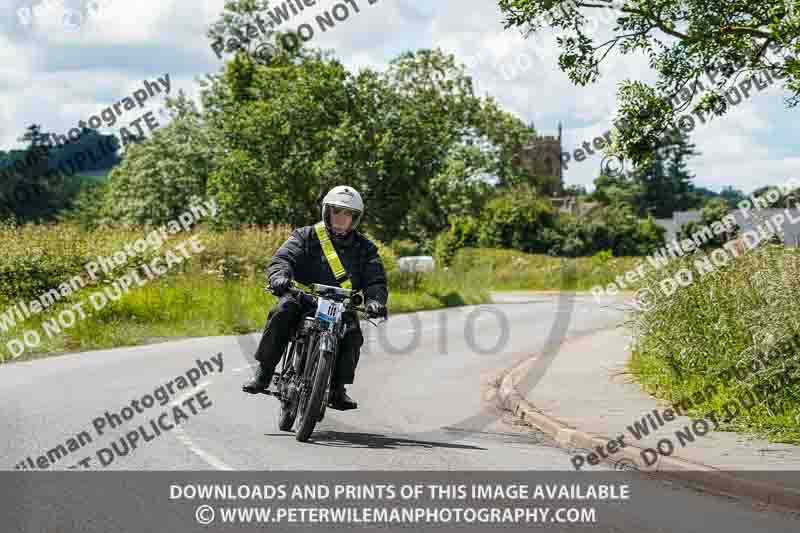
[{"x": 301, "y": 259}]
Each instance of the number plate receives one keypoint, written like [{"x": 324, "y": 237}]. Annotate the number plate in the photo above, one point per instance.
[{"x": 329, "y": 311}]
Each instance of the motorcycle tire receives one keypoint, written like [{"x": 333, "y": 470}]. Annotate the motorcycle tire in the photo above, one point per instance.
[{"x": 311, "y": 409}]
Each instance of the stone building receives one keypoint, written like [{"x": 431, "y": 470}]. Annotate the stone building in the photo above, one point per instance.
[{"x": 542, "y": 158}]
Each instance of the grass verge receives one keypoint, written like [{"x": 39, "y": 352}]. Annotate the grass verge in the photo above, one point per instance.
[
  {"x": 190, "y": 305},
  {"x": 513, "y": 270},
  {"x": 219, "y": 291},
  {"x": 729, "y": 343}
]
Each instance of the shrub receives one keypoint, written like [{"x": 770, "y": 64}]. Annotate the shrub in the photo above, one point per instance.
[
  {"x": 463, "y": 232},
  {"x": 516, "y": 219},
  {"x": 621, "y": 231},
  {"x": 712, "y": 213},
  {"x": 406, "y": 247}
]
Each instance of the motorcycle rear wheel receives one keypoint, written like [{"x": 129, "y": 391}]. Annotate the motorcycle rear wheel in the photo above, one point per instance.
[
  {"x": 288, "y": 410},
  {"x": 287, "y": 415}
]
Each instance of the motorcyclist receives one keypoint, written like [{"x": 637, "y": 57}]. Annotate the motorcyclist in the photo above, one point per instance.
[{"x": 302, "y": 258}]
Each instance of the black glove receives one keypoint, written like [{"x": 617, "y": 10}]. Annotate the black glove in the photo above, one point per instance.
[
  {"x": 280, "y": 284},
  {"x": 375, "y": 309}
]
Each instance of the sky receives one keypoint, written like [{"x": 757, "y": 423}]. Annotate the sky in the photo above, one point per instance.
[{"x": 62, "y": 61}]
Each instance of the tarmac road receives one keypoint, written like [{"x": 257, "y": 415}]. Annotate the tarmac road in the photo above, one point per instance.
[{"x": 421, "y": 384}]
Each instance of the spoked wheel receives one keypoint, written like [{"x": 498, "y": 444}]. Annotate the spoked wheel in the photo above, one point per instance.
[
  {"x": 288, "y": 410},
  {"x": 311, "y": 401}
]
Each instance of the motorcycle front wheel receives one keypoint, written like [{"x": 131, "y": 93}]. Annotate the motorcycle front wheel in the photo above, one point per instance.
[{"x": 310, "y": 408}]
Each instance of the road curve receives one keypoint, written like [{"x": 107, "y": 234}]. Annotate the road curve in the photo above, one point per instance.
[{"x": 421, "y": 386}]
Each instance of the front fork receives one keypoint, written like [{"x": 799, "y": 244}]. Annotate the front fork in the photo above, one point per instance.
[
  {"x": 327, "y": 348},
  {"x": 299, "y": 384}
]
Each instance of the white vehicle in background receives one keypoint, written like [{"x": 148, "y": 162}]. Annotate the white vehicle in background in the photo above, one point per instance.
[{"x": 416, "y": 263}]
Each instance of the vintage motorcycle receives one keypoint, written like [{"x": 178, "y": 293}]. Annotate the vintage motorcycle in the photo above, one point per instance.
[{"x": 304, "y": 384}]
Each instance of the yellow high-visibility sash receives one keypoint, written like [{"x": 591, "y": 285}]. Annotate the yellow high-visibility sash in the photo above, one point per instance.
[{"x": 333, "y": 258}]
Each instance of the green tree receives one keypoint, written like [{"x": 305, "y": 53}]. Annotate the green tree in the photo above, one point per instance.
[
  {"x": 508, "y": 133},
  {"x": 274, "y": 136},
  {"x": 461, "y": 188},
  {"x": 626, "y": 234},
  {"x": 426, "y": 108},
  {"x": 28, "y": 193},
  {"x": 158, "y": 178},
  {"x": 684, "y": 40},
  {"x": 278, "y": 130},
  {"x": 615, "y": 227},
  {"x": 665, "y": 182},
  {"x": 463, "y": 232},
  {"x": 304, "y": 124},
  {"x": 618, "y": 188}
]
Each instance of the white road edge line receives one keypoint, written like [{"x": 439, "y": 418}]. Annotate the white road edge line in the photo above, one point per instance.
[
  {"x": 189, "y": 393},
  {"x": 181, "y": 435},
  {"x": 205, "y": 456}
]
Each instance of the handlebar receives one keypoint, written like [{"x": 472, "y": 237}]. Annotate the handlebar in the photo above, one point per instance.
[{"x": 311, "y": 299}]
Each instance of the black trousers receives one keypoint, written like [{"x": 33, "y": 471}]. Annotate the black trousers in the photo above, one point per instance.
[{"x": 282, "y": 321}]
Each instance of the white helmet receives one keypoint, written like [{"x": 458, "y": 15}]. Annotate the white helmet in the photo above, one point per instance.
[{"x": 348, "y": 198}]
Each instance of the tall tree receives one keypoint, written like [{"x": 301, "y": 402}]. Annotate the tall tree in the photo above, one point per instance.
[
  {"x": 665, "y": 182},
  {"x": 685, "y": 41},
  {"x": 279, "y": 134},
  {"x": 461, "y": 188},
  {"x": 507, "y": 133},
  {"x": 159, "y": 177},
  {"x": 27, "y": 193}
]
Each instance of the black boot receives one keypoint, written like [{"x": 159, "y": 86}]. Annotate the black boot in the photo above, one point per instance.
[
  {"x": 341, "y": 401},
  {"x": 261, "y": 382}
]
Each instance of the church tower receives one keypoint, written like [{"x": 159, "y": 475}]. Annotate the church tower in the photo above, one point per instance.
[{"x": 542, "y": 158}]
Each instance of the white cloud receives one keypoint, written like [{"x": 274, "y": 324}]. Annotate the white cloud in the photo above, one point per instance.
[{"x": 56, "y": 77}]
